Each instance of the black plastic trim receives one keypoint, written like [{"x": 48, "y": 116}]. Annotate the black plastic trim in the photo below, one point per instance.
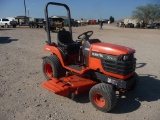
[{"x": 121, "y": 84}]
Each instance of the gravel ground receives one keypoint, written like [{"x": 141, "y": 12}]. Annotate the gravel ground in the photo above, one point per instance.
[{"x": 23, "y": 98}]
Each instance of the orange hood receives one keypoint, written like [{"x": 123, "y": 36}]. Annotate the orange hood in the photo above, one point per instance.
[{"x": 111, "y": 49}]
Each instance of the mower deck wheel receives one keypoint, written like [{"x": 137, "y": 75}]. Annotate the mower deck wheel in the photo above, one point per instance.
[
  {"x": 52, "y": 67},
  {"x": 103, "y": 97}
]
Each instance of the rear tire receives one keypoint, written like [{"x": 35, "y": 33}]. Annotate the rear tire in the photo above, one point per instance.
[
  {"x": 103, "y": 97},
  {"x": 52, "y": 67}
]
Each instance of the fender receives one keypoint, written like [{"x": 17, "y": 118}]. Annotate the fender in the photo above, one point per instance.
[{"x": 54, "y": 50}]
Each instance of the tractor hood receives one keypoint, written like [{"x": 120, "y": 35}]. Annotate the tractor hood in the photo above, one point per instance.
[{"x": 111, "y": 49}]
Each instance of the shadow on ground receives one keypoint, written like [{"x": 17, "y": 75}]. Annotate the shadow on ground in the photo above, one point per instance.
[
  {"x": 1, "y": 29},
  {"x": 83, "y": 98},
  {"x": 146, "y": 90},
  {"x": 4, "y": 40},
  {"x": 140, "y": 65}
]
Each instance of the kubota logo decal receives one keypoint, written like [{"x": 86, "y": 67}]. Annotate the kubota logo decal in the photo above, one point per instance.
[{"x": 95, "y": 54}]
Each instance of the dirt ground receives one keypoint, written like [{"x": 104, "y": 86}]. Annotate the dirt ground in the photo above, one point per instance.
[{"x": 23, "y": 98}]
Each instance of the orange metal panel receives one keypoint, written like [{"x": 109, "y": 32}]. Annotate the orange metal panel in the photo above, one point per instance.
[
  {"x": 111, "y": 49},
  {"x": 67, "y": 85}
]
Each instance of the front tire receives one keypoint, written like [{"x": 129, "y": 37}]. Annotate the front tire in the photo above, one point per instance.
[
  {"x": 6, "y": 26},
  {"x": 52, "y": 67},
  {"x": 103, "y": 97}
]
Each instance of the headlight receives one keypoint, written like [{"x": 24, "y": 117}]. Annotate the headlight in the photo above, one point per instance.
[{"x": 125, "y": 57}]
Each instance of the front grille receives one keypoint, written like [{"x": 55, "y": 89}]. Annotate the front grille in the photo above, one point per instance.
[{"x": 120, "y": 66}]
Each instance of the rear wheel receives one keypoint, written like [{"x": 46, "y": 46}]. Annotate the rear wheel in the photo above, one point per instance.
[
  {"x": 52, "y": 67},
  {"x": 103, "y": 97}
]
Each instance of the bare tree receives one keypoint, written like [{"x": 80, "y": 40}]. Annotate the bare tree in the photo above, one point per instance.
[{"x": 148, "y": 13}]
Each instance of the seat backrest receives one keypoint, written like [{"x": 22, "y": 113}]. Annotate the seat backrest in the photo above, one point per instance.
[{"x": 64, "y": 38}]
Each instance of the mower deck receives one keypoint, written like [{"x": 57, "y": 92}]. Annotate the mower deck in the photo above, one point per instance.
[{"x": 67, "y": 85}]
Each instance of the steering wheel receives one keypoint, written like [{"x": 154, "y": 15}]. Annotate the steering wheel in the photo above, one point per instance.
[{"x": 85, "y": 35}]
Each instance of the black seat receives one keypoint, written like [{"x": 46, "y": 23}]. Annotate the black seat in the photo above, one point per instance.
[{"x": 65, "y": 40}]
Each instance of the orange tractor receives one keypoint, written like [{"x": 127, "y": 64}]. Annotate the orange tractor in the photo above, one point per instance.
[{"x": 83, "y": 65}]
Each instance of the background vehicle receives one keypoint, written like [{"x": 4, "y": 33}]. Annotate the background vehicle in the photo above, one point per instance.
[
  {"x": 36, "y": 23},
  {"x": 6, "y": 23},
  {"x": 74, "y": 23},
  {"x": 55, "y": 24},
  {"x": 121, "y": 24},
  {"x": 92, "y": 22},
  {"x": 13, "y": 23},
  {"x": 75, "y": 67},
  {"x": 153, "y": 25}
]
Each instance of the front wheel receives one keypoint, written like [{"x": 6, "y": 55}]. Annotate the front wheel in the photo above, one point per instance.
[
  {"x": 52, "y": 67},
  {"x": 6, "y": 26},
  {"x": 103, "y": 97}
]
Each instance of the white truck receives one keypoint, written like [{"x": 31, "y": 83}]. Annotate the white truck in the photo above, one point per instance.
[{"x": 6, "y": 23}]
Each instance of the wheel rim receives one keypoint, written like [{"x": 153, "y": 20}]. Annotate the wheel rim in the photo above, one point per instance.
[
  {"x": 48, "y": 70},
  {"x": 99, "y": 100}
]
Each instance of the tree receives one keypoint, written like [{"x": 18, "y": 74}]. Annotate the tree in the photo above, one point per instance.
[
  {"x": 148, "y": 13},
  {"x": 111, "y": 19}
]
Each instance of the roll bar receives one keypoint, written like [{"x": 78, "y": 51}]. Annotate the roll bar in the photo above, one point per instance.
[{"x": 47, "y": 21}]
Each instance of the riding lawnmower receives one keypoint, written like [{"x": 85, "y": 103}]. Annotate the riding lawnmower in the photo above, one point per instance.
[{"x": 87, "y": 65}]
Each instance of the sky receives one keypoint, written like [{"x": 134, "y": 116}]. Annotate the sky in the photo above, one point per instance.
[{"x": 86, "y": 9}]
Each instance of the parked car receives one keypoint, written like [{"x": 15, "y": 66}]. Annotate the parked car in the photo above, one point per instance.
[
  {"x": 153, "y": 25},
  {"x": 157, "y": 25},
  {"x": 6, "y": 23}
]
